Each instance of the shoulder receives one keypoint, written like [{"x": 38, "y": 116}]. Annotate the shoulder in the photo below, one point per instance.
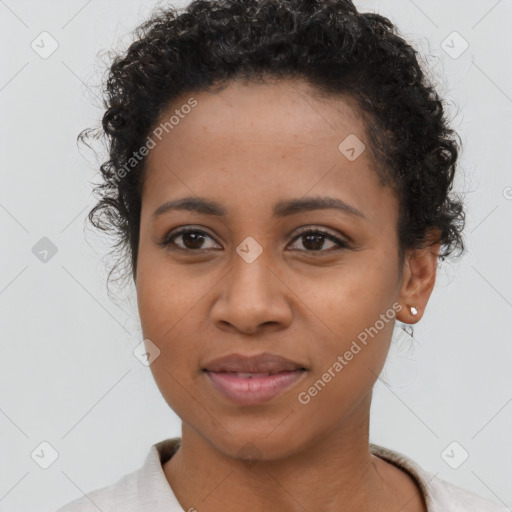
[
  {"x": 144, "y": 489},
  {"x": 454, "y": 498},
  {"x": 114, "y": 497},
  {"x": 440, "y": 495}
]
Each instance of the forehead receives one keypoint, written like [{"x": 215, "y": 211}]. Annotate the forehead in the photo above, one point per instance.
[
  {"x": 264, "y": 139},
  {"x": 275, "y": 111}
]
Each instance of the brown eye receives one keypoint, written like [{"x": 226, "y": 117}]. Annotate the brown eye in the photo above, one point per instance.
[
  {"x": 191, "y": 240},
  {"x": 313, "y": 240}
]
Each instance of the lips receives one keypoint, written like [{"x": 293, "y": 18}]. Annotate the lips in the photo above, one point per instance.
[
  {"x": 253, "y": 380},
  {"x": 265, "y": 363}
]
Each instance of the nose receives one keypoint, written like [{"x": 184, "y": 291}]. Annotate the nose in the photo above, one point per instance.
[{"x": 252, "y": 298}]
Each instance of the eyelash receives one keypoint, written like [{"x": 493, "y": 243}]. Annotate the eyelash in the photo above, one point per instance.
[{"x": 342, "y": 244}]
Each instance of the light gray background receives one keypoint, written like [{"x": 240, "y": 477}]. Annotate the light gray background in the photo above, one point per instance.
[{"x": 67, "y": 372}]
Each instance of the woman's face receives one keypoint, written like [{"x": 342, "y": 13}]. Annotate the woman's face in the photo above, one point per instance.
[{"x": 248, "y": 281}]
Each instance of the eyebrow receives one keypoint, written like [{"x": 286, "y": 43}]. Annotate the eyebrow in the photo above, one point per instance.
[{"x": 281, "y": 209}]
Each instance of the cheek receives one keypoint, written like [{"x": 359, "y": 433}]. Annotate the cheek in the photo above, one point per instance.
[
  {"x": 169, "y": 304},
  {"x": 166, "y": 310},
  {"x": 164, "y": 296},
  {"x": 353, "y": 324},
  {"x": 347, "y": 365}
]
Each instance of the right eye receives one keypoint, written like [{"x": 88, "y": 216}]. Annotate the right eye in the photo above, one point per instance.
[{"x": 191, "y": 240}]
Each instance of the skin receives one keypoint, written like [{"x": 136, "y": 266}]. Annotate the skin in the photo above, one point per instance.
[{"x": 248, "y": 147}]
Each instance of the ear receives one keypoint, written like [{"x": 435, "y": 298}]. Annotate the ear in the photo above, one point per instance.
[{"x": 418, "y": 279}]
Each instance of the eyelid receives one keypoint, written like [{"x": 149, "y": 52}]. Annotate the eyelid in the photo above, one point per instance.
[{"x": 315, "y": 228}]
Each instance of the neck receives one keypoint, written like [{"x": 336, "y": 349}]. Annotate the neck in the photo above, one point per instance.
[{"x": 333, "y": 472}]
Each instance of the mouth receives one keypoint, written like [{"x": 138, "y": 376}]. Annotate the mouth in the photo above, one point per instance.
[
  {"x": 253, "y": 388},
  {"x": 252, "y": 380}
]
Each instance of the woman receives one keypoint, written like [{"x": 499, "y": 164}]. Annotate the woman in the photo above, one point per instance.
[{"x": 280, "y": 175}]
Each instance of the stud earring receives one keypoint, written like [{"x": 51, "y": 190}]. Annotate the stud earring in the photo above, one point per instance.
[{"x": 414, "y": 311}]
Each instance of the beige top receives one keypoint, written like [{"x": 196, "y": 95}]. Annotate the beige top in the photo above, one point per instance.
[{"x": 147, "y": 489}]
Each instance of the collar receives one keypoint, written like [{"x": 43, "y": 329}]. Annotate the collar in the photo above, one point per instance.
[{"x": 155, "y": 490}]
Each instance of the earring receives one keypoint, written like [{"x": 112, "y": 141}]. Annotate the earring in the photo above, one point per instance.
[{"x": 414, "y": 311}]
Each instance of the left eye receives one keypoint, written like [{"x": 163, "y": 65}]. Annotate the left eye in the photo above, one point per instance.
[{"x": 315, "y": 239}]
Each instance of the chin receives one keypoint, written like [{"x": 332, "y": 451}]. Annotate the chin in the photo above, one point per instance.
[{"x": 251, "y": 441}]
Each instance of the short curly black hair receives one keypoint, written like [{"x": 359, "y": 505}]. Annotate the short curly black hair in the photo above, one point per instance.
[{"x": 327, "y": 43}]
